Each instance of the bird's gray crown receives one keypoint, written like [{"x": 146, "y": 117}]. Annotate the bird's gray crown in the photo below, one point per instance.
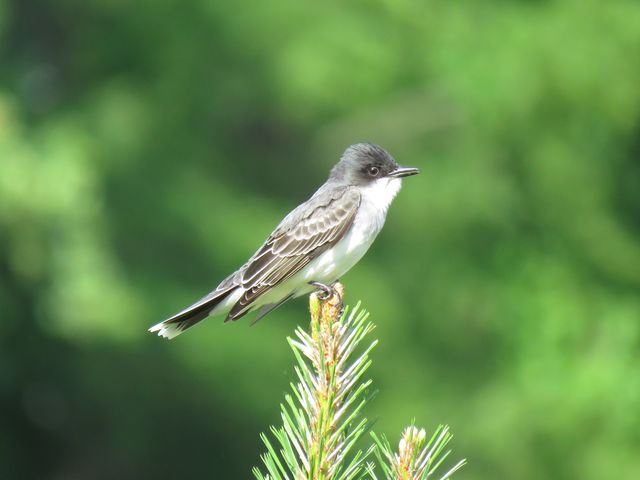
[{"x": 361, "y": 164}]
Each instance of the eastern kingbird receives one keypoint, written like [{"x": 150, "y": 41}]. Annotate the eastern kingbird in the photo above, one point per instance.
[{"x": 315, "y": 244}]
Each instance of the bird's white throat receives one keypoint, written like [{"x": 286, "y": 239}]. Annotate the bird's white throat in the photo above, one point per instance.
[{"x": 379, "y": 194}]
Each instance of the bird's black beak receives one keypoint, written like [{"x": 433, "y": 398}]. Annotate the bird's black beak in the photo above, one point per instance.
[{"x": 404, "y": 171}]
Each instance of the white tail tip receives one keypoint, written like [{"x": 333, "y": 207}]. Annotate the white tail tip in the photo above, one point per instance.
[{"x": 167, "y": 330}]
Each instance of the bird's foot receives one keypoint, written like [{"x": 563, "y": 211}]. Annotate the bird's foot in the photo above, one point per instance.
[
  {"x": 324, "y": 291},
  {"x": 328, "y": 301}
]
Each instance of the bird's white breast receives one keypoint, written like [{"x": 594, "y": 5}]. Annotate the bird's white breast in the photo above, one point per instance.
[{"x": 368, "y": 222}]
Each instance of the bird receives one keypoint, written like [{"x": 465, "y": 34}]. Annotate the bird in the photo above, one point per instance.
[{"x": 312, "y": 247}]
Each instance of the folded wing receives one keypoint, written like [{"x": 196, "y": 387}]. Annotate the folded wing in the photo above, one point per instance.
[{"x": 303, "y": 235}]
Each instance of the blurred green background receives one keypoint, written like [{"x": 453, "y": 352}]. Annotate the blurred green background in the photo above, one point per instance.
[{"x": 147, "y": 148}]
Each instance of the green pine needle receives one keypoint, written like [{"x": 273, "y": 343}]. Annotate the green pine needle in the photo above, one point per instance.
[{"x": 322, "y": 421}]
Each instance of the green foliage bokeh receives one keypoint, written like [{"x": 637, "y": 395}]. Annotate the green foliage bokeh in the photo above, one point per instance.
[{"x": 147, "y": 148}]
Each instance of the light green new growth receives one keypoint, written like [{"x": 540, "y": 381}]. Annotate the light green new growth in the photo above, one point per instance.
[
  {"x": 415, "y": 458},
  {"x": 322, "y": 420}
]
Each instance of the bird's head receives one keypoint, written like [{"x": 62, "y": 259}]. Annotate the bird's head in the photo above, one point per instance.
[{"x": 365, "y": 164}]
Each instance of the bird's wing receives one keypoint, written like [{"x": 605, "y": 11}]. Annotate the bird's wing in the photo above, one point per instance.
[{"x": 303, "y": 235}]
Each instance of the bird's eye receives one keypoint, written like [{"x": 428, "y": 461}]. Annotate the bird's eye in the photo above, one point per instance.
[{"x": 373, "y": 171}]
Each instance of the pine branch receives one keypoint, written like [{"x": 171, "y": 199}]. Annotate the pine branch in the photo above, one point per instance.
[
  {"x": 416, "y": 458},
  {"x": 322, "y": 420}
]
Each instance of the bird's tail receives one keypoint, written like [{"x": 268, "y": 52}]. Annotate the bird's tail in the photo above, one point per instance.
[
  {"x": 187, "y": 318},
  {"x": 172, "y": 328}
]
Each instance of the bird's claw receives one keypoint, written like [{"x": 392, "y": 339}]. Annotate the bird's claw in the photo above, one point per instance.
[{"x": 325, "y": 291}]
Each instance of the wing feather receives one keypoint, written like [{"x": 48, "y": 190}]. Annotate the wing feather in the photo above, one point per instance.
[{"x": 303, "y": 235}]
